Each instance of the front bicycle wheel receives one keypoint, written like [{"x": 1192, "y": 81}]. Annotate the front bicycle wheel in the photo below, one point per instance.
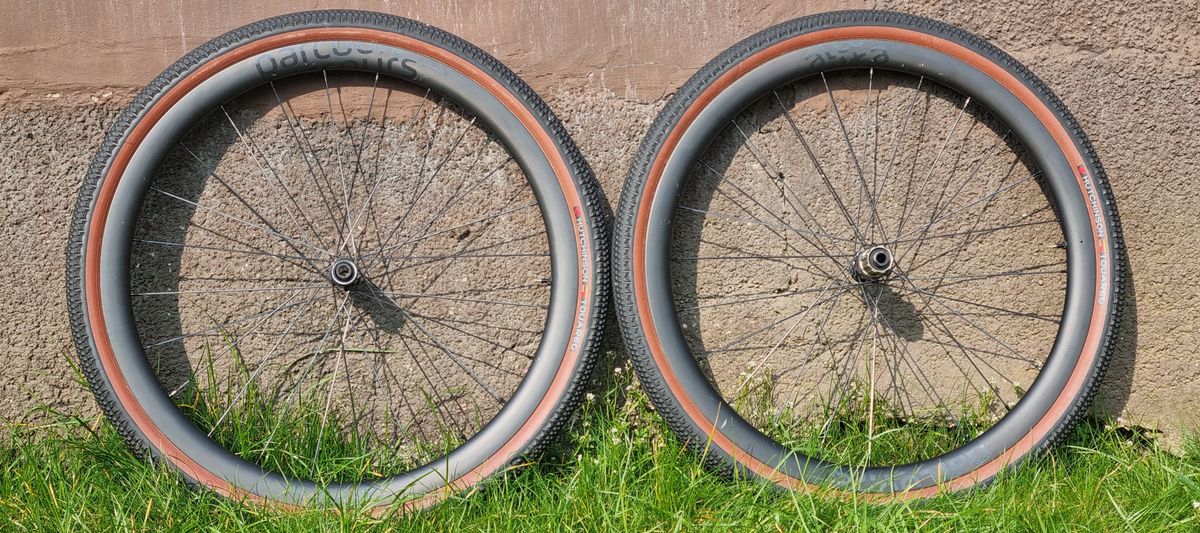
[
  {"x": 869, "y": 252},
  {"x": 337, "y": 258}
]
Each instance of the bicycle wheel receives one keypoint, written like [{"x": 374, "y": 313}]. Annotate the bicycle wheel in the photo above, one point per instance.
[
  {"x": 337, "y": 258},
  {"x": 867, "y": 252}
]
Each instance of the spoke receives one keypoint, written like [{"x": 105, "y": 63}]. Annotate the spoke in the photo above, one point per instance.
[
  {"x": 380, "y": 373},
  {"x": 344, "y": 219},
  {"x": 991, "y": 152},
  {"x": 291, "y": 242},
  {"x": 460, "y": 256},
  {"x": 462, "y": 191},
  {"x": 252, "y": 379},
  {"x": 905, "y": 213},
  {"x": 446, "y": 208},
  {"x": 938, "y": 209},
  {"x": 253, "y": 151},
  {"x": 988, "y": 197},
  {"x": 1026, "y": 271},
  {"x": 457, "y": 359},
  {"x": 896, "y": 148},
  {"x": 476, "y": 360},
  {"x": 941, "y": 324},
  {"x": 440, "y": 401},
  {"x": 229, "y": 346},
  {"x": 777, "y": 178},
  {"x": 858, "y": 238},
  {"x": 242, "y": 320},
  {"x": 874, "y": 135},
  {"x": 446, "y": 323},
  {"x": 470, "y": 252},
  {"x": 302, "y": 142},
  {"x": 1025, "y": 314},
  {"x": 358, "y": 151},
  {"x": 871, "y": 380},
  {"x": 386, "y": 237},
  {"x": 772, "y": 324},
  {"x": 768, "y": 297},
  {"x": 862, "y": 180},
  {"x": 426, "y": 184},
  {"x": 366, "y": 212},
  {"x": 992, "y": 229},
  {"x": 967, "y": 240},
  {"x": 738, "y": 257},
  {"x": 451, "y": 395},
  {"x": 214, "y": 290},
  {"x": 220, "y": 249},
  {"x": 362, "y": 139},
  {"x": 485, "y": 290},
  {"x": 337, "y": 365},
  {"x": 380, "y": 294},
  {"x": 271, "y": 226},
  {"x": 808, "y": 356},
  {"x": 418, "y": 296},
  {"x": 425, "y": 236},
  {"x": 753, "y": 222},
  {"x": 960, "y": 316},
  {"x": 911, "y": 362},
  {"x": 848, "y": 362},
  {"x": 819, "y": 272},
  {"x": 339, "y": 308},
  {"x": 466, "y": 323},
  {"x": 306, "y": 265},
  {"x": 526, "y": 356},
  {"x": 815, "y": 244},
  {"x": 784, "y": 338}
]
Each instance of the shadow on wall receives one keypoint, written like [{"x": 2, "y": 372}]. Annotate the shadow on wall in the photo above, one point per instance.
[{"x": 185, "y": 174}]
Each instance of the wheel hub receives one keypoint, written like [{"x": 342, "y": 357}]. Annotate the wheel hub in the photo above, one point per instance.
[
  {"x": 344, "y": 273},
  {"x": 873, "y": 263}
]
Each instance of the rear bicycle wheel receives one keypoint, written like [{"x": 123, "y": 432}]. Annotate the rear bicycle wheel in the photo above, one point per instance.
[
  {"x": 337, "y": 258},
  {"x": 869, "y": 252}
]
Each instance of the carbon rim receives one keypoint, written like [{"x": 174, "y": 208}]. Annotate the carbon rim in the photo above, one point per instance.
[
  {"x": 496, "y": 121},
  {"x": 718, "y": 112}
]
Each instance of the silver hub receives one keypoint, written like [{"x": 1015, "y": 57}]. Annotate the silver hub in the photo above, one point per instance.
[
  {"x": 343, "y": 272},
  {"x": 872, "y": 264}
]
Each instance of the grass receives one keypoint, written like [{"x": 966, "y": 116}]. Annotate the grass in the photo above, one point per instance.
[
  {"x": 855, "y": 428},
  {"x": 293, "y": 440},
  {"x": 620, "y": 470}
]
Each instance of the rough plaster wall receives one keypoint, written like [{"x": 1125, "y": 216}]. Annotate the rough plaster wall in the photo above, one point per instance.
[{"x": 1127, "y": 71}]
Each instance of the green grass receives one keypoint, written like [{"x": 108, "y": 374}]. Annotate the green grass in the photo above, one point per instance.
[
  {"x": 293, "y": 440},
  {"x": 620, "y": 470}
]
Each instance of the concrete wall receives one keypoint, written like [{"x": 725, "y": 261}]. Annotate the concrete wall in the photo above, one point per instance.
[{"x": 1128, "y": 71}]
